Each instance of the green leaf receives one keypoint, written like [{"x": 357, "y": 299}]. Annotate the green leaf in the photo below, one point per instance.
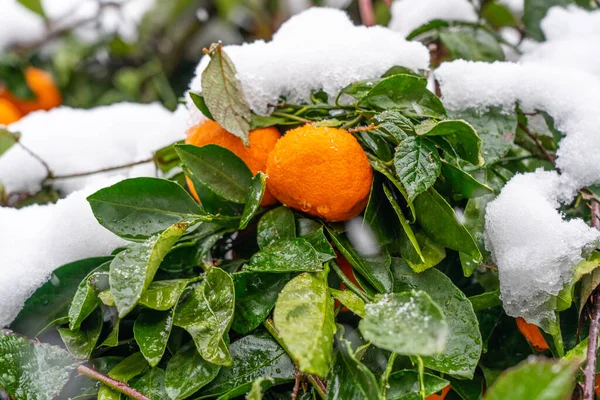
[
  {"x": 275, "y": 225},
  {"x": 463, "y": 347},
  {"x": 349, "y": 378},
  {"x": 440, "y": 223},
  {"x": 404, "y": 385},
  {"x": 393, "y": 126},
  {"x": 259, "y": 386},
  {"x": 187, "y": 372},
  {"x": 151, "y": 332},
  {"x": 7, "y": 140},
  {"x": 304, "y": 318},
  {"x": 255, "y": 196},
  {"x": 417, "y": 165},
  {"x": 86, "y": 299},
  {"x": 538, "y": 379},
  {"x": 286, "y": 256},
  {"x": 218, "y": 169},
  {"x": 127, "y": 369},
  {"x": 406, "y": 93},
  {"x": 380, "y": 167},
  {"x": 139, "y": 208},
  {"x": 463, "y": 185},
  {"x": 201, "y": 104},
  {"x": 377, "y": 143},
  {"x": 81, "y": 342},
  {"x": 33, "y": 370},
  {"x": 350, "y": 300},
  {"x": 52, "y": 300},
  {"x": 377, "y": 213},
  {"x": 112, "y": 340},
  {"x": 255, "y": 297},
  {"x": 375, "y": 270},
  {"x": 224, "y": 96},
  {"x": 486, "y": 300},
  {"x": 133, "y": 269},
  {"x": 463, "y": 138},
  {"x": 471, "y": 43},
  {"x": 474, "y": 222},
  {"x": 254, "y": 356},
  {"x": 166, "y": 158},
  {"x": 533, "y": 13},
  {"x": 432, "y": 253},
  {"x": 35, "y": 6},
  {"x": 162, "y": 295},
  {"x": 206, "y": 313},
  {"x": 319, "y": 242},
  {"x": 152, "y": 385},
  {"x": 408, "y": 323}
]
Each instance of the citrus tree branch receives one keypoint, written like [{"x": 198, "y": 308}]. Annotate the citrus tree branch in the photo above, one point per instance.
[{"x": 112, "y": 383}]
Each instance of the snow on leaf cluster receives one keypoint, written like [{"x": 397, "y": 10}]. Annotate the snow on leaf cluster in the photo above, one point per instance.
[
  {"x": 408, "y": 15},
  {"x": 318, "y": 49}
]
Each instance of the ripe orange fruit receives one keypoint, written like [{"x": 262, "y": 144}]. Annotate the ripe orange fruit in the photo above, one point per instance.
[
  {"x": 533, "y": 335},
  {"x": 9, "y": 113},
  {"x": 322, "y": 171},
  {"x": 255, "y": 156},
  {"x": 41, "y": 84},
  {"x": 440, "y": 396}
]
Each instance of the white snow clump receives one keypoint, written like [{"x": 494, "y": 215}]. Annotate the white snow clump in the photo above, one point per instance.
[{"x": 408, "y": 15}]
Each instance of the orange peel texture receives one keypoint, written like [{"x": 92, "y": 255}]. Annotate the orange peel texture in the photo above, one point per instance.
[
  {"x": 42, "y": 85},
  {"x": 321, "y": 171},
  {"x": 532, "y": 334},
  {"x": 262, "y": 141},
  {"x": 9, "y": 113},
  {"x": 440, "y": 396}
]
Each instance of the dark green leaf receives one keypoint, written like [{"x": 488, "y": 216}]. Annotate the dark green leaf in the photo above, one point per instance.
[
  {"x": 218, "y": 169},
  {"x": 417, "y": 165},
  {"x": 166, "y": 158},
  {"x": 275, "y": 225},
  {"x": 406, "y": 93},
  {"x": 319, "y": 242},
  {"x": 52, "y": 300},
  {"x": 538, "y": 379},
  {"x": 81, "y": 342},
  {"x": 187, "y": 372},
  {"x": 286, "y": 256},
  {"x": 432, "y": 253},
  {"x": 439, "y": 222},
  {"x": 255, "y": 297},
  {"x": 474, "y": 221},
  {"x": 33, "y": 370},
  {"x": 486, "y": 300},
  {"x": 86, "y": 299},
  {"x": 254, "y": 356},
  {"x": 533, "y": 13},
  {"x": 162, "y": 295},
  {"x": 255, "y": 196},
  {"x": 127, "y": 369},
  {"x": 404, "y": 385},
  {"x": 349, "y": 378},
  {"x": 380, "y": 167},
  {"x": 258, "y": 387},
  {"x": 151, "y": 332},
  {"x": 377, "y": 143},
  {"x": 304, "y": 318},
  {"x": 472, "y": 43},
  {"x": 206, "y": 313},
  {"x": 224, "y": 96},
  {"x": 408, "y": 323},
  {"x": 393, "y": 126},
  {"x": 377, "y": 213},
  {"x": 462, "y": 137},
  {"x": 358, "y": 89},
  {"x": 201, "y": 104},
  {"x": 152, "y": 385},
  {"x": 133, "y": 269},
  {"x": 463, "y": 347},
  {"x": 468, "y": 389},
  {"x": 261, "y": 121},
  {"x": 463, "y": 185},
  {"x": 138, "y": 208}
]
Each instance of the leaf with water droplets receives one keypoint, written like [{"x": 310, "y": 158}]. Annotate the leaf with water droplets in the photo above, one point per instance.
[
  {"x": 86, "y": 299},
  {"x": 277, "y": 224},
  {"x": 417, "y": 165},
  {"x": 152, "y": 385},
  {"x": 404, "y": 385},
  {"x": 289, "y": 255},
  {"x": 162, "y": 295},
  {"x": 151, "y": 332},
  {"x": 82, "y": 341},
  {"x": 187, "y": 372},
  {"x": 124, "y": 371},
  {"x": 133, "y": 269},
  {"x": 256, "y": 193}
]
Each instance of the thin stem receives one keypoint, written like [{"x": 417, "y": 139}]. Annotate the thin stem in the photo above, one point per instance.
[
  {"x": 349, "y": 284},
  {"x": 386, "y": 374},
  {"x": 38, "y": 158},
  {"x": 421, "y": 368},
  {"x": 352, "y": 122},
  {"x": 296, "y": 386},
  {"x": 99, "y": 171},
  {"x": 291, "y": 116},
  {"x": 537, "y": 142},
  {"x": 367, "y": 15},
  {"x": 313, "y": 379},
  {"x": 110, "y": 382}
]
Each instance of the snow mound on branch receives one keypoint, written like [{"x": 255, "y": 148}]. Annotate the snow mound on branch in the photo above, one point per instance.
[
  {"x": 18, "y": 24},
  {"x": 36, "y": 240},
  {"x": 408, "y": 15},
  {"x": 534, "y": 248},
  {"x": 75, "y": 141},
  {"x": 317, "y": 49}
]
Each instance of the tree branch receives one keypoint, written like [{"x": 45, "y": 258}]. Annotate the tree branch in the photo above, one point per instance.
[
  {"x": 367, "y": 15},
  {"x": 99, "y": 171},
  {"x": 537, "y": 142},
  {"x": 112, "y": 383}
]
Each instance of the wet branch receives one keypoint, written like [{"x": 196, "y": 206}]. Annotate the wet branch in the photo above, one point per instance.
[{"x": 112, "y": 383}]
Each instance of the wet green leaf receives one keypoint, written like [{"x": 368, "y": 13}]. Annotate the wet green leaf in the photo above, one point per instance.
[
  {"x": 133, "y": 269},
  {"x": 254, "y": 356},
  {"x": 275, "y": 225},
  {"x": 187, "y": 372},
  {"x": 139, "y": 208},
  {"x": 166, "y": 158},
  {"x": 319, "y": 242},
  {"x": 218, "y": 169},
  {"x": 474, "y": 222},
  {"x": 472, "y": 43},
  {"x": 152, "y": 385},
  {"x": 86, "y": 299},
  {"x": 463, "y": 347},
  {"x": 432, "y": 253},
  {"x": 255, "y": 297},
  {"x": 162, "y": 295},
  {"x": 380, "y": 167},
  {"x": 440, "y": 223},
  {"x": 82, "y": 341},
  {"x": 286, "y": 256},
  {"x": 33, "y": 370},
  {"x": 224, "y": 96},
  {"x": 201, "y": 104},
  {"x": 417, "y": 165},
  {"x": 394, "y": 126},
  {"x": 462, "y": 137},
  {"x": 304, "y": 318},
  {"x": 124, "y": 371},
  {"x": 255, "y": 196},
  {"x": 350, "y": 300},
  {"x": 408, "y": 323},
  {"x": 206, "y": 313},
  {"x": 151, "y": 332},
  {"x": 259, "y": 386},
  {"x": 376, "y": 214},
  {"x": 349, "y": 378},
  {"x": 463, "y": 185},
  {"x": 404, "y": 385}
]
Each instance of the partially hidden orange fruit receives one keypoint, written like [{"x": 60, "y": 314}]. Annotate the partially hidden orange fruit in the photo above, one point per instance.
[
  {"x": 9, "y": 113},
  {"x": 262, "y": 141},
  {"x": 532, "y": 334},
  {"x": 440, "y": 396},
  {"x": 322, "y": 171},
  {"x": 41, "y": 84}
]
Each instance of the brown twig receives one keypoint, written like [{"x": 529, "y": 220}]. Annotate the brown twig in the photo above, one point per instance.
[
  {"x": 296, "y": 385},
  {"x": 537, "y": 142},
  {"x": 112, "y": 383},
  {"x": 589, "y": 372},
  {"x": 99, "y": 171},
  {"x": 367, "y": 15},
  {"x": 38, "y": 158}
]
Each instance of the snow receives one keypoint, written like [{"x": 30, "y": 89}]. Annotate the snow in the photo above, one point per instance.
[
  {"x": 408, "y": 15},
  {"x": 36, "y": 240},
  {"x": 76, "y": 141},
  {"x": 329, "y": 58},
  {"x": 18, "y": 24},
  {"x": 534, "y": 248},
  {"x": 516, "y": 6}
]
